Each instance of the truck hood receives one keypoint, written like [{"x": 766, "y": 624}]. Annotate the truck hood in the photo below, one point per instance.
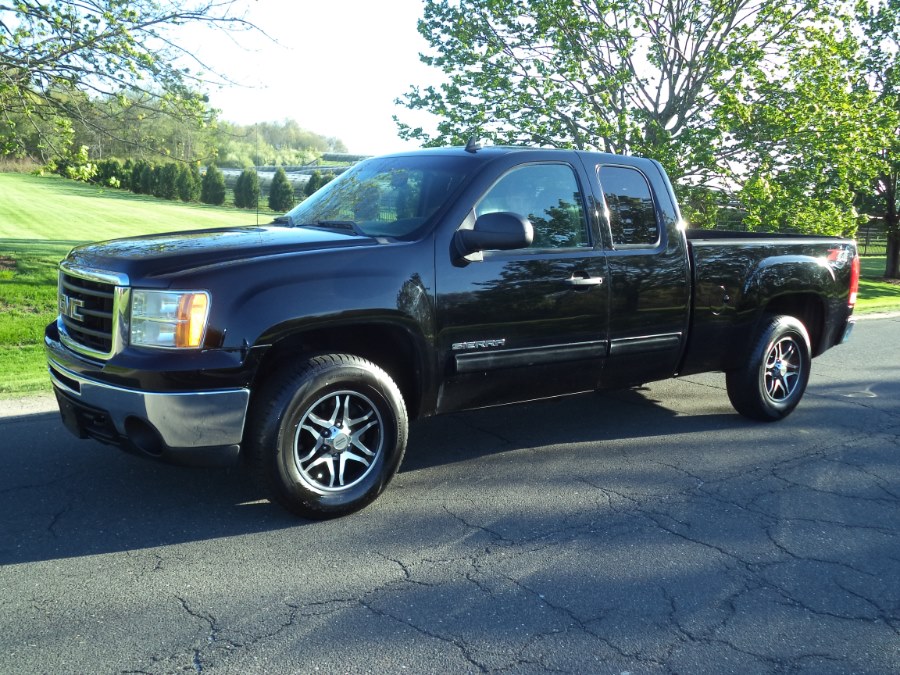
[{"x": 160, "y": 255}]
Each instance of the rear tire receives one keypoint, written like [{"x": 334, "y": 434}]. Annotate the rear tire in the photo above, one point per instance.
[
  {"x": 772, "y": 383},
  {"x": 326, "y": 437}
]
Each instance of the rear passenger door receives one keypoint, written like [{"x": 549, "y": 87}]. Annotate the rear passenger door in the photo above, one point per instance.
[{"x": 649, "y": 275}]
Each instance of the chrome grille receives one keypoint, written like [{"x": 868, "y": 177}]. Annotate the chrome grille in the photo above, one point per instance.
[{"x": 90, "y": 307}]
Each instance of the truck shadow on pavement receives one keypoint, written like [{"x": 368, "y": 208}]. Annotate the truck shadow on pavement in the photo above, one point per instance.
[{"x": 63, "y": 498}]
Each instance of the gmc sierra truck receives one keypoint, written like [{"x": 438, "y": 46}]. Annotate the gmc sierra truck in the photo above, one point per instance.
[{"x": 424, "y": 283}]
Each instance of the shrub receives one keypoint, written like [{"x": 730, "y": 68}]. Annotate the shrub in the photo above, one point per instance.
[
  {"x": 238, "y": 191},
  {"x": 168, "y": 178},
  {"x": 77, "y": 165},
  {"x": 157, "y": 181},
  {"x": 281, "y": 194},
  {"x": 246, "y": 190},
  {"x": 146, "y": 180},
  {"x": 212, "y": 187},
  {"x": 125, "y": 178},
  {"x": 313, "y": 184},
  {"x": 109, "y": 173},
  {"x": 137, "y": 172},
  {"x": 187, "y": 186}
]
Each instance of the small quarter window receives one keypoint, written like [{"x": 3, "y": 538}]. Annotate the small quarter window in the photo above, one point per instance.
[
  {"x": 546, "y": 194},
  {"x": 632, "y": 215}
]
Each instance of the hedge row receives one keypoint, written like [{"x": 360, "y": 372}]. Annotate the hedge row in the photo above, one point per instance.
[{"x": 180, "y": 180}]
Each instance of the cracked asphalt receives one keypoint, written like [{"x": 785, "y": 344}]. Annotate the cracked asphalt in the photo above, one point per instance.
[{"x": 643, "y": 531}]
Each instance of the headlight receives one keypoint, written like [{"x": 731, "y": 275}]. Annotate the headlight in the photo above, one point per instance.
[{"x": 173, "y": 319}]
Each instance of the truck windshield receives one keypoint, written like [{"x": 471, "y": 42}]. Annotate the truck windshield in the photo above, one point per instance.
[{"x": 382, "y": 197}]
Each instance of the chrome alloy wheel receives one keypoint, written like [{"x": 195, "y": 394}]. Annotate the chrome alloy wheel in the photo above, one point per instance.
[
  {"x": 783, "y": 368},
  {"x": 338, "y": 441}
]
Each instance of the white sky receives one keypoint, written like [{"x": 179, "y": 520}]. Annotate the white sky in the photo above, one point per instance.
[{"x": 336, "y": 68}]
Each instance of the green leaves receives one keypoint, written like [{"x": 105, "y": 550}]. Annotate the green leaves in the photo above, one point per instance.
[
  {"x": 212, "y": 186},
  {"x": 807, "y": 137},
  {"x": 764, "y": 99},
  {"x": 57, "y": 54},
  {"x": 281, "y": 192},
  {"x": 246, "y": 190}
]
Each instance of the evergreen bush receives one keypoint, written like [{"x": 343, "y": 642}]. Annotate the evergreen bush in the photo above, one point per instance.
[
  {"x": 186, "y": 185},
  {"x": 146, "y": 180},
  {"x": 238, "y": 191},
  {"x": 168, "y": 179},
  {"x": 246, "y": 190},
  {"x": 281, "y": 194},
  {"x": 125, "y": 178},
  {"x": 212, "y": 187},
  {"x": 137, "y": 172},
  {"x": 109, "y": 173},
  {"x": 156, "y": 188},
  {"x": 313, "y": 184}
]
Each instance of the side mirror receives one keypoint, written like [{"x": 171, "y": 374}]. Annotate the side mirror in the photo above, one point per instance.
[{"x": 496, "y": 231}]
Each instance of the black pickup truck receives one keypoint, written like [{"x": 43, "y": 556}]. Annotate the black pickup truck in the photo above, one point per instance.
[{"x": 423, "y": 283}]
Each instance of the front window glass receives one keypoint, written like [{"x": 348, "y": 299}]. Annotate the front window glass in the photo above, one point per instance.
[
  {"x": 386, "y": 197},
  {"x": 548, "y": 196}
]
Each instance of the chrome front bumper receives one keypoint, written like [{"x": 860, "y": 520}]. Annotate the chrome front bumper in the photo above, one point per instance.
[{"x": 202, "y": 427}]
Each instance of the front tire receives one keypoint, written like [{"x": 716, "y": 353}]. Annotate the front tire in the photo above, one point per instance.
[
  {"x": 327, "y": 436},
  {"x": 773, "y": 381}
]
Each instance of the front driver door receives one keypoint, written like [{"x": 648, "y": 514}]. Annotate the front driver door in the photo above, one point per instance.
[{"x": 532, "y": 322}]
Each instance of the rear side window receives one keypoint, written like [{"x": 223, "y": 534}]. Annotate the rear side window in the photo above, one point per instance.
[
  {"x": 629, "y": 202},
  {"x": 546, "y": 194}
]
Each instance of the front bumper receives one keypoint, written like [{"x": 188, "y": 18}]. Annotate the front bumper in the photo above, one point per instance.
[{"x": 202, "y": 427}]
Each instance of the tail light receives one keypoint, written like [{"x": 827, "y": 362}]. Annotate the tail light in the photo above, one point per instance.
[
  {"x": 854, "y": 281},
  {"x": 839, "y": 257}
]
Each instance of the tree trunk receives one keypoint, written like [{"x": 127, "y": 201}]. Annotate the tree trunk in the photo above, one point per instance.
[
  {"x": 892, "y": 226},
  {"x": 892, "y": 264}
]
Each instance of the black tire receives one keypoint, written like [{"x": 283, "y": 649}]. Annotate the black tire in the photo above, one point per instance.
[
  {"x": 325, "y": 438},
  {"x": 772, "y": 383}
]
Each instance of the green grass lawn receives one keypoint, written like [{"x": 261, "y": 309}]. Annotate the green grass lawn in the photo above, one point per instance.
[
  {"x": 876, "y": 294},
  {"x": 41, "y": 218}
]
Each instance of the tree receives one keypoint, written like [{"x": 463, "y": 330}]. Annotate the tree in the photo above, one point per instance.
[
  {"x": 147, "y": 180},
  {"x": 187, "y": 185},
  {"x": 634, "y": 76},
  {"x": 59, "y": 55},
  {"x": 751, "y": 97},
  {"x": 157, "y": 187},
  {"x": 246, "y": 190},
  {"x": 168, "y": 181},
  {"x": 281, "y": 193},
  {"x": 804, "y": 137},
  {"x": 881, "y": 26},
  {"x": 239, "y": 191},
  {"x": 137, "y": 173},
  {"x": 313, "y": 184},
  {"x": 212, "y": 188}
]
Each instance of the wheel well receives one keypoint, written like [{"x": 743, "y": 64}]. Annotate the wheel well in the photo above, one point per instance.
[
  {"x": 808, "y": 309},
  {"x": 389, "y": 347}
]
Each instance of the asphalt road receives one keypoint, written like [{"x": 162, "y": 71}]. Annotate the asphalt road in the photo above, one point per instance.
[{"x": 649, "y": 531}]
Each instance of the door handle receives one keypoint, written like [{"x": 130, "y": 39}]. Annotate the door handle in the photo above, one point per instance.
[{"x": 584, "y": 281}]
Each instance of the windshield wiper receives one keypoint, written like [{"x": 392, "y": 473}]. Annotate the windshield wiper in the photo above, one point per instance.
[
  {"x": 343, "y": 225},
  {"x": 282, "y": 220}
]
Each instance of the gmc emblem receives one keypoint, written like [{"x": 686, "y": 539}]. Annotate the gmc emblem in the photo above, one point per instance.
[{"x": 71, "y": 307}]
